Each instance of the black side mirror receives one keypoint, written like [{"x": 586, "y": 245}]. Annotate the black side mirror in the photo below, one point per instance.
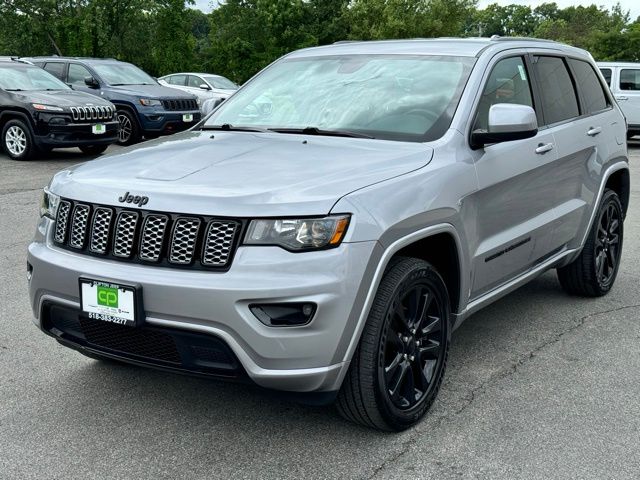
[{"x": 91, "y": 82}]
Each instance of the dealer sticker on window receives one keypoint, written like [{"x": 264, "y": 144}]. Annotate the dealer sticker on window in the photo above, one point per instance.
[
  {"x": 187, "y": 117},
  {"x": 108, "y": 302},
  {"x": 98, "y": 129}
]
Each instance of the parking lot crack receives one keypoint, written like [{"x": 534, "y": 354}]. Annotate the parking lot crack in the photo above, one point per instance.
[
  {"x": 513, "y": 368},
  {"x": 506, "y": 372}
]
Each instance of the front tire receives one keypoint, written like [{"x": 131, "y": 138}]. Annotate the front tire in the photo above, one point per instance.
[
  {"x": 93, "y": 149},
  {"x": 594, "y": 272},
  {"x": 129, "y": 131},
  {"x": 398, "y": 367},
  {"x": 17, "y": 140}
]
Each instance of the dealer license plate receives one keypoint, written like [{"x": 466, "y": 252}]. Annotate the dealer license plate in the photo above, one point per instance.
[
  {"x": 108, "y": 301},
  {"x": 98, "y": 129}
]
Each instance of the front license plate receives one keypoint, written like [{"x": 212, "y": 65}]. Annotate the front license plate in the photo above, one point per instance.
[
  {"x": 98, "y": 129},
  {"x": 187, "y": 117},
  {"x": 108, "y": 302}
]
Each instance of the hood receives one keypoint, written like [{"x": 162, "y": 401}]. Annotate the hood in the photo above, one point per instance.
[
  {"x": 152, "y": 91},
  {"x": 61, "y": 98},
  {"x": 241, "y": 174}
]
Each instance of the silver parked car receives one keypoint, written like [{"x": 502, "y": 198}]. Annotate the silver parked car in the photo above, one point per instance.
[
  {"x": 624, "y": 80},
  {"x": 326, "y": 229},
  {"x": 205, "y": 86}
]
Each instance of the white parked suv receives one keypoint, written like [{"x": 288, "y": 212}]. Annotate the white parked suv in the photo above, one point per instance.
[
  {"x": 327, "y": 227},
  {"x": 624, "y": 80}
]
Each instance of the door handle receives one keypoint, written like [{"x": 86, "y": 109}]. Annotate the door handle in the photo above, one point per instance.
[
  {"x": 592, "y": 132},
  {"x": 544, "y": 148},
  {"x": 621, "y": 98}
]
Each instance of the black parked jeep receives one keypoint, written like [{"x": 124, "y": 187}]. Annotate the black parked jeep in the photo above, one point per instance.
[{"x": 38, "y": 112}]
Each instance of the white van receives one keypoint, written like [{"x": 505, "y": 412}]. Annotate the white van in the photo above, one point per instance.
[{"x": 624, "y": 81}]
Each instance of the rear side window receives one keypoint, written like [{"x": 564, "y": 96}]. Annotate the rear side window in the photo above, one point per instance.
[
  {"x": 606, "y": 73},
  {"x": 77, "y": 74},
  {"x": 56, "y": 69},
  {"x": 630, "y": 79},
  {"x": 508, "y": 82},
  {"x": 593, "y": 97},
  {"x": 559, "y": 100}
]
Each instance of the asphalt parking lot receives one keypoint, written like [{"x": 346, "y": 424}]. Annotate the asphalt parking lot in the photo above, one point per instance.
[{"x": 539, "y": 385}]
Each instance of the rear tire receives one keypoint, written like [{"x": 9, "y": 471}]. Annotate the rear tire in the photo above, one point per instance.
[
  {"x": 594, "y": 272},
  {"x": 129, "y": 131},
  {"x": 398, "y": 367},
  {"x": 93, "y": 149},
  {"x": 17, "y": 140}
]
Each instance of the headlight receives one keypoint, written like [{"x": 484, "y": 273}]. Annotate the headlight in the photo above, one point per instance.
[
  {"x": 47, "y": 108},
  {"x": 149, "y": 102},
  {"x": 49, "y": 204},
  {"x": 298, "y": 234}
]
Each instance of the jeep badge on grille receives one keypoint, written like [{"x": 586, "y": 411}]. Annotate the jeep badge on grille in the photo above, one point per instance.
[{"x": 135, "y": 199}]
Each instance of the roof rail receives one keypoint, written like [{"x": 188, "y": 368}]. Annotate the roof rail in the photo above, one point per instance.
[
  {"x": 14, "y": 59},
  {"x": 71, "y": 58},
  {"x": 339, "y": 42},
  {"x": 498, "y": 38}
]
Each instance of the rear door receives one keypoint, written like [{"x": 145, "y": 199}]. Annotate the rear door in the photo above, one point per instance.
[
  {"x": 628, "y": 95},
  {"x": 513, "y": 211},
  {"x": 577, "y": 110}
]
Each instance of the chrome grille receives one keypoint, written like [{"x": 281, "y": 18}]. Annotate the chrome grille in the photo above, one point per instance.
[
  {"x": 152, "y": 239},
  {"x": 125, "y": 234},
  {"x": 79, "y": 226},
  {"x": 218, "y": 243},
  {"x": 183, "y": 240},
  {"x": 89, "y": 113},
  {"x": 167, "y": 239},
  {"x": 62, "y": 221},
  {"x": 100, "y": 229}
]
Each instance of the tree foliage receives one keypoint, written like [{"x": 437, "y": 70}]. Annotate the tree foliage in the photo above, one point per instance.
[{"x": 239, "y": 37}]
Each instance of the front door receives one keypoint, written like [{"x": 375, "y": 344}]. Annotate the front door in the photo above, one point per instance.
[{"x": 513, "y": 208}]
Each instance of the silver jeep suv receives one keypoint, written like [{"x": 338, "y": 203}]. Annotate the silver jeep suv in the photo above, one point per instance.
[{"x": 326, "y": 229}]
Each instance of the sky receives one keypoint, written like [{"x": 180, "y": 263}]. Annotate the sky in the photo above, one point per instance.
[{"x": 632, "y": 5}]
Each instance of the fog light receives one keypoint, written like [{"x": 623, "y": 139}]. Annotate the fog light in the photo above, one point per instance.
[{"x": 284, "y": 314}]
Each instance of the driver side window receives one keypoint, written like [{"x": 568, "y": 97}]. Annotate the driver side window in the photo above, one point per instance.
[{"x": 508, "y": 82}]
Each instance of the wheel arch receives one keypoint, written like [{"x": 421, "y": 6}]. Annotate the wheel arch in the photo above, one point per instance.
[
  {"x": 443, "y": 235},
  {"x": 620, "y": 182},
  {"x": 16, "y": 114}
]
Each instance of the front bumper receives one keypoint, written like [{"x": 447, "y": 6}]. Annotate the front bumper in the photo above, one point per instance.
[
  {"x": 296, "y": 359},
  {"x": 167, "y": 122},
  {"x": 76, "y": 134}
]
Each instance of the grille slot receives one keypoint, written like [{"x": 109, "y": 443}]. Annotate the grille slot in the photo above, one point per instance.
[
  {"x": 79, "y": 226},
  {"x": 183, "y": 240},
  {"x": 166, "y": 239},
  {"x": 62, "y": 220},
  {"x": 218, "y": 243},
  {"x": 125, "y": 234},
  {"x": 100, "y": 229},
  {"x": 152, "y": 239}
]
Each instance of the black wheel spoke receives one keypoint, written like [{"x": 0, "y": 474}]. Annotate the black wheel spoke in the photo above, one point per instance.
[
  {"x": 431, "y": 325},
  {"x": 429, "y": 350}
]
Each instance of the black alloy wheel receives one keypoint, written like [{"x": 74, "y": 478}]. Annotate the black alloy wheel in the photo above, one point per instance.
[
  {"x": 398, "y": 367},
  {"x": 594, "y": 271}
]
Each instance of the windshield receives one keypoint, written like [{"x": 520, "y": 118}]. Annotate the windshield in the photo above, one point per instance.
[
  {"x": 393, "y": 97},
  {"x": 123, "y": 74},
  {"x": 221, "y": 82},
  {"x": 28, "y": 78}
]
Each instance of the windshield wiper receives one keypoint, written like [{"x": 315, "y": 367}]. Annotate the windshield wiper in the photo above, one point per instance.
[
  {"x": 227, "y": 127},
  {"x": 318, "y": 131}
]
